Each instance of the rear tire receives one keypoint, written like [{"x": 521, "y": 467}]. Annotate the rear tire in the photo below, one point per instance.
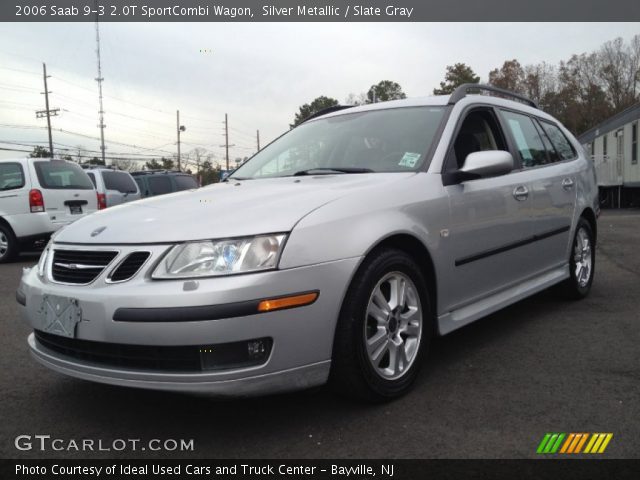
[
  {"x": 582, "y": 263},
  {"x": 8, "y": 244},
  {"x": 384, "y": 329}
]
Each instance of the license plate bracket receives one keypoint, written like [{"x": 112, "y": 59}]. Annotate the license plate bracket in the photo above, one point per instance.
[{"x": 59, "y": 315}]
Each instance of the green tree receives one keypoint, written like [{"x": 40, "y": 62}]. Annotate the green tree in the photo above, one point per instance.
[
  {"x": 167, "y": 163},
  {"x": 163, "y": 164},
  {"x": 384, "y": 91},
  {"x": 456, "y": 75},
  {"x": 309, "y": 109},
  {"x": 40, "y": 152}
]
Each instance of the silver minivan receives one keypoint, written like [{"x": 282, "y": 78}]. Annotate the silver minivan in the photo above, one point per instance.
[
  {"x": 113, "y": 186},
  {"x": 333, "y": 255}
]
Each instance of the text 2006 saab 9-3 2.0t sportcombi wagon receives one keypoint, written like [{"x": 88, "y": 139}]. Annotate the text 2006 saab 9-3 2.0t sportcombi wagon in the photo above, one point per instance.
[{"x": 333, "y": 255}]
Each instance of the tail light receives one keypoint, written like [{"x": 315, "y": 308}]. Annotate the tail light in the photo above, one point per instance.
[
  {"x": 36, "y": 202},
  {"x": 102, "y": 201}
]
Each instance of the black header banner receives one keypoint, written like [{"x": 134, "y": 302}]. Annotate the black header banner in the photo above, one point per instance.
[{"x": 319, "y": 10}]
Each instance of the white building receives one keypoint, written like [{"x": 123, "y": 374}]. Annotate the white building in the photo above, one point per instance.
[{"x": 613, "y": 145}]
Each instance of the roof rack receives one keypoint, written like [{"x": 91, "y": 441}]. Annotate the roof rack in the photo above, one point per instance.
[
  {"x": 324, "y": 111},
  {"x": 463, "y": 90},
  {"x": 92, "y": 166},
  {"x": 152, "y": 171}
]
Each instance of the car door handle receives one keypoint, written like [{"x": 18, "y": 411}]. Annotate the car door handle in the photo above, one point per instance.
[
  {"x": 567, "y": 183},
  {"x": 521, "y": 193}
]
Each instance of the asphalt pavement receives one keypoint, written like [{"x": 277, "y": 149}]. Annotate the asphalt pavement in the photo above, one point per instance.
[{"x": 489, "y": 390}]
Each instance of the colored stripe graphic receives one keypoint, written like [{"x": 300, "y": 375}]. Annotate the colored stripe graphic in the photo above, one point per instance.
[
  {"x": 598, "y": 442},
  {"x": 581, "y": 443},
  {"x": 573, "y": 443}
]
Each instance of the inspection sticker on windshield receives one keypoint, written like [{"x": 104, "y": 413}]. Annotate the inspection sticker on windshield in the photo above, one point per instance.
[{"x": 409, "y": 159}]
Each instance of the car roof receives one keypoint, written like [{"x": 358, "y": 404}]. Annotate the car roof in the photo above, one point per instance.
[{"x": 440, "y": 101}]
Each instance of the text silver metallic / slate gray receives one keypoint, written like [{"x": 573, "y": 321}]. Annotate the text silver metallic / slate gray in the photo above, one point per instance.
[{"x": 332, "y": 255}]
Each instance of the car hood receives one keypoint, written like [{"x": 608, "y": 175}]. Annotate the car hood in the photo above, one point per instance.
[{"x": 228, "y": 209}]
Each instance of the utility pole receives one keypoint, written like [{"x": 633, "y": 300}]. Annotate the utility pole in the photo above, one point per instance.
[
  {"x": 226, "y": 139},
  {"x": 101, "y": 125},
  {"x": 258, "y": 139},
  {"x": 179, "y": 129},
  {"x": 46, "y": 112}
]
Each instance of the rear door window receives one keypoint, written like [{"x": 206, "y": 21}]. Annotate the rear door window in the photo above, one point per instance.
[
  {"x": 559, "y": 140},
  {"x": 92, "y": 177},
  {"x": 11, "y": 176},
  {"x": 120, "y": 181},
  {"x": 159, "y": 185},
  {"x": 57, "y": 174},
  {"x": 185, "y": 182},
  {"x": 527, "y": 139}
]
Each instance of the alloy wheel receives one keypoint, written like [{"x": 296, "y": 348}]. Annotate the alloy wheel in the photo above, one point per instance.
[
  {"x": 582, "y": 257},
  {"x": 393, "y": 326}
]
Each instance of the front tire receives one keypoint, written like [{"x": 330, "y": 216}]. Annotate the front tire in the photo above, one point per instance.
[
  {"x": 8, "y": 244},
  {"x": 582, "y": 263},
  {"x": 384, "y": 329}
]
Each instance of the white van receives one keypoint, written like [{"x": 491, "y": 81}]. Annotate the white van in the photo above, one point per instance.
[{"x": 37, "y": 197}]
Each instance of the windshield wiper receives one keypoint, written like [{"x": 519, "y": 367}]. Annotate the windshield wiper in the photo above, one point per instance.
[{"x": 329, "y": 171}]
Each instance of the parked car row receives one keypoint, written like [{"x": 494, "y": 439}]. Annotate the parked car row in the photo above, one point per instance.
[{"x": 39, "y": 195}]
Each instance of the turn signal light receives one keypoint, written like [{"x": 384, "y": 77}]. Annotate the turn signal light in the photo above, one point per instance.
[
  {"x": 36, "y": 201},
  {"x": 287, "y": 302}
]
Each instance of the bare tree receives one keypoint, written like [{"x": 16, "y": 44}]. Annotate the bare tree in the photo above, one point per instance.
[{"x": 128, "y": 164}]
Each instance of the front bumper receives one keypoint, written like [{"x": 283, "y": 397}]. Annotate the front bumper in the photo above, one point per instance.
[{"x": 302, "y": 337}]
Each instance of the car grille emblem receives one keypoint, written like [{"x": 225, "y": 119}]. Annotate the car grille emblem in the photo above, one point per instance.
[
  {"x": 78, "y": 266},
  {"x": 98, "y": 231}
]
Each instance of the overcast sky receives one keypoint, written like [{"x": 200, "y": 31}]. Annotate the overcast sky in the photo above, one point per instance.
[{"x": 257, "y": 73}]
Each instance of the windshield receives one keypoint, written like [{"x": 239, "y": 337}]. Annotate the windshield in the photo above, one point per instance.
[{"x": 393, "y": 140}]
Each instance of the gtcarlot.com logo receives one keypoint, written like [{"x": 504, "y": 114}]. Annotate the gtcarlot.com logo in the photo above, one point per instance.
[{"x": 573, "y": 443}]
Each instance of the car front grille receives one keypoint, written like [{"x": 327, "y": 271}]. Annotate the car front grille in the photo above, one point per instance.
[
  {"x": 129, "y": 267},
  {"x": 190, "y": 358},
  {"x": 120, "y": 355},
  {"x": 79, "y": 267}
]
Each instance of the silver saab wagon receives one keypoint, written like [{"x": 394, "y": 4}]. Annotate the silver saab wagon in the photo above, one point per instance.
[{"x": 333, "y": 255}]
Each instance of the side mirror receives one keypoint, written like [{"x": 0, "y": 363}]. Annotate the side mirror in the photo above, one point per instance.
[{"x": 489, "y": 163}]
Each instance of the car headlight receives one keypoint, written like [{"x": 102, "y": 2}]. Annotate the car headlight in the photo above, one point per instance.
[
  {"x": 221, "y": 257},
  {"x": 42, "y": 263}
]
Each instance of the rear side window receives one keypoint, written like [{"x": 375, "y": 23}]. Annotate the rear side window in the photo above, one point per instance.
[
  {"x": 92, "y": 177},
  {"x": 11, "y": 176},
  {"x": 57, "y": 174},
  {"x": 560, "y": 142},
  {"x": 159, "y": 185},
  {"x": 140, "y": 183},
  {"x": 527, "y": 138},
  {"x": 120, "y": 181},
  {"x": 185, "y": 182}
]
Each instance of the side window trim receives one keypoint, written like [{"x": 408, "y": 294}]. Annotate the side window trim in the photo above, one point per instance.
[
  {"x": 543, "y": 136},
  {"x": 511, "y": 144}
]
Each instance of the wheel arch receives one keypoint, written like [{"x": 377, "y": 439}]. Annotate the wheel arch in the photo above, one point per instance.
[
  {"x": 5, "y": 223},
  {"x": 417, "y": 250},
  {"x": 589, "y": 215}
]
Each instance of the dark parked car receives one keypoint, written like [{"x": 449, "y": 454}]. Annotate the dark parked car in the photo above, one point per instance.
[{"x": 159, "y": 182}]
